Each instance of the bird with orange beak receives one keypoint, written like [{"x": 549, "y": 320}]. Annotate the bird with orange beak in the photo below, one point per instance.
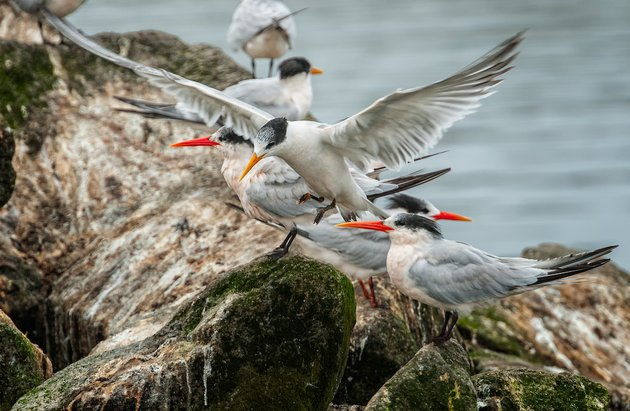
[{"x": 458, "y": 277}]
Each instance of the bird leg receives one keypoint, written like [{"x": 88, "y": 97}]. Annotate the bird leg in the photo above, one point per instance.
[
  {"x": 283, "y": 249},
  {"x": 447, "y": 330},
  {"x": 322, "y": 210},
  {"x": 310, "y": 196},
  {"x": 253, "y": 68},
  {"x": 270, "y": 67},
  {"x": 366, "y": 294},
  {"x": 373, "y": 301}
]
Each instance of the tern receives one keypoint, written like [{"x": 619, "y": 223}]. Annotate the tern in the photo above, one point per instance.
[
  {"x": 60, "y": 8},
  {"x": 456, "y": 277},
  {"x": 262, "y": 29},
  {"x": 270, "y": 192},
  {"x": 394, "y": 130},
  {"x": 289, "y": 94}
]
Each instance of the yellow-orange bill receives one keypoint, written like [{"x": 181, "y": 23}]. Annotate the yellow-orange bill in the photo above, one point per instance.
[
  {"x": 445, "y": 215},
  {"x": 201, "y": 141},
  {"x": 367, "y": 225},
  {"x": 315, "y": 70},
  {"x": 252, "y": 162}
]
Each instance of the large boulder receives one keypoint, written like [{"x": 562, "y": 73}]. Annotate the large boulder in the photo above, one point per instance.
[
  {"x": 23, "y": 365},
  {"x": 269, "y": 335},
  {"x": 524, "y": 389},
  {"x": 437, "y": 378}
]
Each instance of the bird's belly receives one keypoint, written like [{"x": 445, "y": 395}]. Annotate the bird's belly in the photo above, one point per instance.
[
  {"x": 62, "y": 8},
  {"x": 270, "y": 44},
  {"x": 398, "y": 269}
]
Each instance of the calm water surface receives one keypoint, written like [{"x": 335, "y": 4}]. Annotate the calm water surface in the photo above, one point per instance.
[{"x": 545, "y": 159}]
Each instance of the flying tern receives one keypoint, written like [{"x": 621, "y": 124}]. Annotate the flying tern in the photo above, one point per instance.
[
  {"x": 262, "y": 29},
  {"x": 455, "y": 276}
]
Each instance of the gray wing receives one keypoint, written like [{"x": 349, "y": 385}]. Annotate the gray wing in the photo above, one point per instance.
[
  {"x": 363, "y": 248},
  {"x": 29, "y": 6},
  {"x": 252, "y": 16},
  {"x": 456, "y": 273},
  {"x": 266, "y": 94},
  {"x": 207, "y": 102},
  {"x": 407, "y": 123}
]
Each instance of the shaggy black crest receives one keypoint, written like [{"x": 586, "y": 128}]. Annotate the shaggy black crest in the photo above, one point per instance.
[
  {"x": 291, "y": 67},
  {"x": 274, "y": 132},
  {"x": 415, "y": 222},
  {"x": 410, "y": 204},
  {"x": 228, "y": 136}
]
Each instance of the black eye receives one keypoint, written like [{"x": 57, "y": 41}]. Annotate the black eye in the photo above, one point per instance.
[
  {"x": 270, "y": 145},
  {"x": 425, "y": 211}
]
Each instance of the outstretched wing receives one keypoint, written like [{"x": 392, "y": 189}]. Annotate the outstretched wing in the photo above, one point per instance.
[
  {"x": 405, "y": 124},
  {"x": 207, "y": 102}
]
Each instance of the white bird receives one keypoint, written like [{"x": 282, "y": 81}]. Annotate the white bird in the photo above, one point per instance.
[
  {"x": 394, "y": 130},
  {"x": 60, "y": 8},
  {"x": 268, "y": 194},
  {"x": 289, "y": 94},
  {"x": 455, "y": 276},
  {"x": 262, "y": 29}
]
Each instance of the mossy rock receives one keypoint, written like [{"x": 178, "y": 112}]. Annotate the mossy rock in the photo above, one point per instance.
[
  {"x": 530, "y": 390},
  {"x": 437, "y": 378},
  {"x": 23, "y": 366},
  {"x": 381, "y": 344},
  {"x": 269, "y": 335}
]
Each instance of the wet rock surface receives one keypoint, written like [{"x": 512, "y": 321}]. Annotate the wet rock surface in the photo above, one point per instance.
[
  {"x": 23, "y": 365},
  {"x": 270, "y": 335},
  {"x": 535, "y": 390}
]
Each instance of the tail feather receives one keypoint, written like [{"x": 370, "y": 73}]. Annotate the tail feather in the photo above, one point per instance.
[
  {"x": 376, "y": 172},
  {"x": 561, "y": 273},
  {"x": 571, "y": 260},
  {"x": 409, "y": 181}
]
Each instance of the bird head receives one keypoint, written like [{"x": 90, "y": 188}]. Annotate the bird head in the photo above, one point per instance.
[
  {"x": 268, "y": 141},
  {"x": 225, "y": 139},
  {"x": 295, "y": 66},
  {"x": 404, "y": 203},
  {"x": 402, "y": 225}
]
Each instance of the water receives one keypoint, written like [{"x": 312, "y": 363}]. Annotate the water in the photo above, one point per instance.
[{"x": 545, "y": 159}]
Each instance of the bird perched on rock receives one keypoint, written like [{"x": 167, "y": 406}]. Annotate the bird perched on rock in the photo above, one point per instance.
[
  {"x": 455, "y": 276},
  {"x": 289, "y": 95},
  {"x": 262, "y": 29},
  {"x": 60, "y": 8}
]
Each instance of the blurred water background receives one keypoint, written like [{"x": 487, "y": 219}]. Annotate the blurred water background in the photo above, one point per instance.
[{"x": 547, "y": 159}]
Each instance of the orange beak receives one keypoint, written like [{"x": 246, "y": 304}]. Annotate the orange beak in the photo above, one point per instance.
[
  {"x": 201, "y": 141},
  {"x": 315, "y": 70},
  {"x": 368, "y": 225},
  {"x": 252, "y": 162},
  {"x": 445, "y": 215}
]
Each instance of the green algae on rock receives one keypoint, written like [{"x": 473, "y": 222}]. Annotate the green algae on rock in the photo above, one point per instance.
[
  {"x": 527, "y": 389},
  {"x": 270, "y": 334},
  {"x": 23, "y": 366},
  {"x": 381, "y": 344},
  {"x": 437, "y": 378}
]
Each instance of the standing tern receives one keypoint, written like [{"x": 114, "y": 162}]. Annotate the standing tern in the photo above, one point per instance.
[
  {"x": 269, "y": 193},
  {"x": 262, "y": 29},
  {"x": 289, "y": 94},
  {"x": 393, "y": 130},
  {"x": 455, "y": 276}
]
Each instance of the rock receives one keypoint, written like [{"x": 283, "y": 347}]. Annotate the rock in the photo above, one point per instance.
[
  {"x": 22, "y": 364},
  {"x": 270, "y": 334},
  {"x": 437, "y": 378},
  {"x": 381, "y": 343},
  {"x": 113, "y": 228},
  {"x": 7, "y": 174},
  {"x": 537, "y": 390}
]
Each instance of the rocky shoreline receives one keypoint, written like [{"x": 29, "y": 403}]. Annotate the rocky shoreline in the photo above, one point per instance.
[{"x": 119, "y": 258}]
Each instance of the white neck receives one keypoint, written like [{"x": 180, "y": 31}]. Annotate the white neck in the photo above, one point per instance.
[{"x": 298, "y": 89}]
